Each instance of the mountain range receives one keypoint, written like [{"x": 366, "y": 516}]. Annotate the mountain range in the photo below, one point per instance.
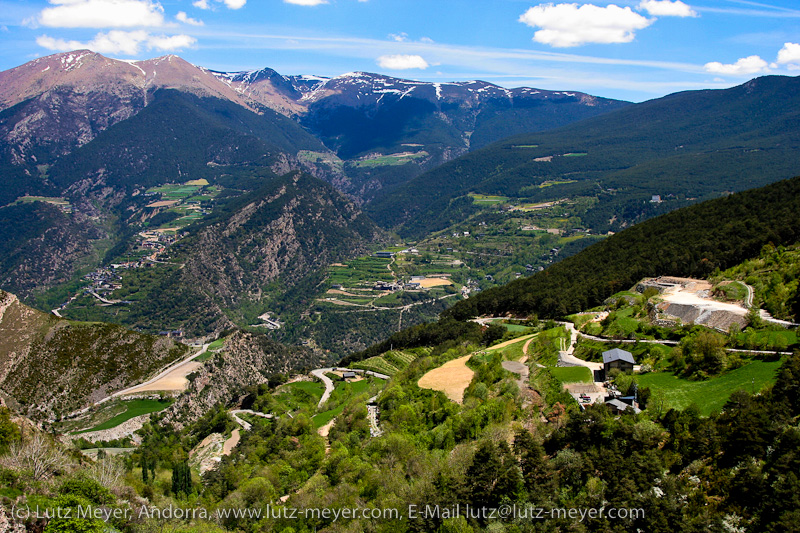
[
  {"x": 636, "y": 162},
  {"x": 99, "y": 132},
  {"x": 100, "y": 157},
  {"x": 56, "y": 104}
]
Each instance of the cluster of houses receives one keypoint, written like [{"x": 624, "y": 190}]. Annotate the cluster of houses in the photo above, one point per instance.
[
  {"x": 103, "y": 280},
  {"x": 386, "y": 286},
  {"x": 623, "y": 361}
]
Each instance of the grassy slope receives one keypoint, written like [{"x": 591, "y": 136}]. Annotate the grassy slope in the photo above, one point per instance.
[
  {"x": 343, "y": 390},
  {"x": 134, "y": 408},
  {"x": 711, "y": 395}
]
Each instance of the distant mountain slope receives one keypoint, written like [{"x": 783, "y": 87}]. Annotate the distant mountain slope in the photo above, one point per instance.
[
  {"x": 51, "y": 106},
  {"x": 359, "y": 112},
  {"x": 177, "y": 135},
  {"x": 245, "y": 260},
  {"x": 42, "y": 246},
  {"x": 693, "y": 241},
  {"x": 361, "y": 116},
  {"x": 56, "y": 104},
  {"x": 691, "y": 145},
  {"x": 51, "y": 366}
]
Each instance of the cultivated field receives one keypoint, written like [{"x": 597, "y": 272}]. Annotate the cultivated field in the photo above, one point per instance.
[{"x": 452, "y": 378}]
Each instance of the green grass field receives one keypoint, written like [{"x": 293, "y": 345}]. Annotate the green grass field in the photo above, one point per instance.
[
  {"x": 711, "y": 395},
  {"x": 217, "y": 344},
  {"x": 572, "y": 374},
  {"x": 313, "y": 388},
  {"x": 321, "y": 419},
  {"x": 203, "y": 357},
  {"x": 516, "y": 328},
  {"x": 135, "y": 408},
  {"x": 297, "y": 395},
  {"x": 550, "y": 183},
  {"x": 342, "y": 393},
  {"x": 488, "y": 198}
]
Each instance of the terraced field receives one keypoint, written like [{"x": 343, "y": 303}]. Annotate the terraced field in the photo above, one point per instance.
[
  {"x": 133, "y": 409},
  {"x": 392, "y": 361}
]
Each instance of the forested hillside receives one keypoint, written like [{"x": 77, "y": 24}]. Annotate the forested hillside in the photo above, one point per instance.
[
  {"x": 683, "y": 147},
  {"x": 260, "y": 253},
  {"x": 176, "y": 135},
  {"x": 50, "y": 367},
  {"x": 693, "y": 241}
]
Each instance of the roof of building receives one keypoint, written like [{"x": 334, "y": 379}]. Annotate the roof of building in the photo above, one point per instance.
[
  {"x": 622, "y": 406},
  {"x": 618, "y": 355}
]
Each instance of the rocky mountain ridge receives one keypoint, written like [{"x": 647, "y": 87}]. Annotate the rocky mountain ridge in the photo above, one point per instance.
[{"x": 51, "y": 366}]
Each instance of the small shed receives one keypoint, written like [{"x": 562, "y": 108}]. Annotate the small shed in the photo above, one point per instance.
[
  {"x": 348, "y": 375},
  {"x": 618, "y": 406},
  {"x": 618, "y": 358}
]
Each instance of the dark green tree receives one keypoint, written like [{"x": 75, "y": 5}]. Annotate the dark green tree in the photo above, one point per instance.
[{"x": 181, "y": 478}]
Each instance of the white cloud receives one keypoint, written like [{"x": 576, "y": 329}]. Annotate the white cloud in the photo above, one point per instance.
[
  {"x": 102, "y": 14},
  {"x": 565, "y": 25},
  {"x": 789, "y": 56},
  {"x": 169, "y": 43},
  {"x": 665, "y": 8},
  {"x": 230, "y": 4},
  {"x": 306, "y": 2},
  {"x": 745, "y": 66},
  {"x": 120, "y": 42},
  {"x": 402, "y": 62},
  {"x": 183, "y": 17},
  {"x": 399, "y": 37}
]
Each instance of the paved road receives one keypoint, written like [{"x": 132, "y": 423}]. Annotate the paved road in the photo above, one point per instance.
[
  {"x": 320, "y": 373},
  {"x": 235, "y": 437},
  {"x": 163, "y": 373},
  {"x": 187, "y": 364},
  {"x": 247, "y": 426},
  {"x": 566, "y": 357},
  {"x": 748, "y": 301}
]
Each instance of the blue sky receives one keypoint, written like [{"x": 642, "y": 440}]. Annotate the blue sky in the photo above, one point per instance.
[{"x": 635, "y": 50}]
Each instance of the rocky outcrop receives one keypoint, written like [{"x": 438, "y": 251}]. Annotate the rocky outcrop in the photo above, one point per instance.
[
  {"x": 248, "y": 360},
  {"x": 719, "y": 319},
  {"x": 50, "y": 367}
]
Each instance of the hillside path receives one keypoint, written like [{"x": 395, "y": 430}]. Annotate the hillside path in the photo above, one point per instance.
[
  {"x": 320, "y": 373},
  {"x": 171, "y": 379},
  {"x": 521, "y": 370}
]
